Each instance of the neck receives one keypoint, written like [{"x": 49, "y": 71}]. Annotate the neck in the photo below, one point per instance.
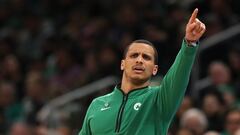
[{"x": 128, "y": 85}]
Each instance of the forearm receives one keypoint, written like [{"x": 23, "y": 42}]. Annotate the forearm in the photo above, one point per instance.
[{"x": 176, "y": 80}]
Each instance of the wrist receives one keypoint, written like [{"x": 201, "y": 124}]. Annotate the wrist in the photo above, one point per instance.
[{"x": 191, "y": 43}]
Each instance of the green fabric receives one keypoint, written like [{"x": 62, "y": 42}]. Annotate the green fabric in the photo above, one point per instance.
[
  {"x": 226, "y": 88},
  {"x": 145, "y": 111},
  {"x": 14, "y": 113},
  {"x": 224, "y": 133}
]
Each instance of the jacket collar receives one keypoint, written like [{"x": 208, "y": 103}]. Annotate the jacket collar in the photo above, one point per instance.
[{"x": 132, "y": 94}]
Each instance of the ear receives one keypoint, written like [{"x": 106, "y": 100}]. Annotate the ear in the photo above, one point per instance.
[
  {"x": 155, "y": 70},
  {"x": 122, "y": 64}
]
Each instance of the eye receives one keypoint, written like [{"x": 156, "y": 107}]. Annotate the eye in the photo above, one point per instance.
[
  {"x": 147, "y": 57},
  {"x": 134, "y": 55}
]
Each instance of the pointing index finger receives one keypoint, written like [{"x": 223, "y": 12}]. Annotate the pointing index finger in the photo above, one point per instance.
[{"x": 194, "y": 16}]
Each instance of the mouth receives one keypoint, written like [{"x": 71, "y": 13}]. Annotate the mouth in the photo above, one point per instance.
[{"x": 138, "y": 69}]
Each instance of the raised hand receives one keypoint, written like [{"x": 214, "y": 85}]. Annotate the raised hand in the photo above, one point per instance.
[{"x": 195, "y": 28}]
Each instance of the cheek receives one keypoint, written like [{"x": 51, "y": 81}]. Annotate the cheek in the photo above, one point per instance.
[
  {"x": 127, "y": 67},
  {"x": 129, "y": 63},
  {"x": 150, "y": 69}
]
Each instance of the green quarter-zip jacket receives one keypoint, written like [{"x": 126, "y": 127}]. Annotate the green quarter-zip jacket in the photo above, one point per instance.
[{"x": 143, "y": 111}]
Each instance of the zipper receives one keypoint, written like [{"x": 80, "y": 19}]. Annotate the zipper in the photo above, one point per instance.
[{"x": 120, "y": 113}]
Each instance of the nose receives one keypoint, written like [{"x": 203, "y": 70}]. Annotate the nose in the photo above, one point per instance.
[{"x": 139, "y": 59}]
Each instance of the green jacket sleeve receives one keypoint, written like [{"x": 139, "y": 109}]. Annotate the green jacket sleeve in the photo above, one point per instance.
[
  {"x": 174, "y": 84},
  {"x": 86, "y": 125}
]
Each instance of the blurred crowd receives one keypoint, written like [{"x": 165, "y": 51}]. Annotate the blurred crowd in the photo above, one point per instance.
[{"x": 51, "y": 47}]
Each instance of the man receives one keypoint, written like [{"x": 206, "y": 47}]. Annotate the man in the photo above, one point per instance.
[
  {"x": 232, "y": 122},
  {"x": 134, "y": 107}
]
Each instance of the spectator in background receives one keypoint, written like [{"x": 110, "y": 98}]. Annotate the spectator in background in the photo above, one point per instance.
[
  {"x": 107, "y": 60},
  {"x": 10, "y": 110},
  {"x": 220, "y": 80},
  {"x": 187, "y": 104},
  {"x": 219, "y": 74},
  {"x": 68, "y": 74},
  {"x": 7, "y": 46},
  {"x": 31, "y": 37},
  {"x": 234, "y": 60},
  {"x": 213, "y": 106},
  {"x": 237, "y": 132},
  {"x": 36, "y": 95},
  {"x": 212, "y": 133},
  {"x": 90, "y": 62},
  {"x": 43, "y": 130},
  {"x": 232, "y": 122},
  {"x": 184, "y": 131},
  {"x": 20, "y": 128},
  {"x": 64, "y": 130},
  {"x": 194, "y": 120},
  {"x": 11, "y": 71}
]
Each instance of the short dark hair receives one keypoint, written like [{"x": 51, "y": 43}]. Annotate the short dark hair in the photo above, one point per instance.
[{"x": 144, "y": 42}]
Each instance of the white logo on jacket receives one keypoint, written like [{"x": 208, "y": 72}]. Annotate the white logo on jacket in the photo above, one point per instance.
[
  {"x": 106, "y": 107},
  {"x": 137, "y": 106},
  {"x": 103, "y": 109}
]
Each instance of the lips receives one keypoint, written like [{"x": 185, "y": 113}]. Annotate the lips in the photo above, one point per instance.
[{"x": 138, "y": 69}]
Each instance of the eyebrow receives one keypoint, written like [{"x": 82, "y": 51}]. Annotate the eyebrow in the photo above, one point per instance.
[{"x": 144, "y": 54}]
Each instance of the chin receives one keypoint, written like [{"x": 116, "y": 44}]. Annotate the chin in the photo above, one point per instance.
[{"x": 139, "y": 80}]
